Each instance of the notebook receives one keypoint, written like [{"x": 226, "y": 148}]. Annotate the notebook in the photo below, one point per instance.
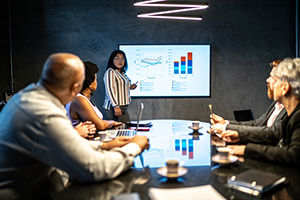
[
  {"x": 126, "y": 132},
  {"x": 255, "y": 182}
]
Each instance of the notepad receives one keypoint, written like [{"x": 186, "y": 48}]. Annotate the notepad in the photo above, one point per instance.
[
  {"x": 205, "y": 192},
  {"x": 255, "y": 182},
  {"x": 131, "y": 196}
]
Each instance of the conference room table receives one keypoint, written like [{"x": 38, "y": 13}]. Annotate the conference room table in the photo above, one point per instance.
[{"x": 173, "y": 138}]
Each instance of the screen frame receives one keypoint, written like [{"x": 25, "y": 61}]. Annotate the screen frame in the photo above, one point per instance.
[{"x": 176, "y": 44}]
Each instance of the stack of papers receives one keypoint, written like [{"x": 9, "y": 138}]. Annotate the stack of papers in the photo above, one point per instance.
[{"x": 206, "y": 192}]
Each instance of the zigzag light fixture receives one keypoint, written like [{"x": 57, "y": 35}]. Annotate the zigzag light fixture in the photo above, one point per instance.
[{"x": 177, "y": 7}]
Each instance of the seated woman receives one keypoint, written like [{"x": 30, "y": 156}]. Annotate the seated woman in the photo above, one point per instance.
[
  {"x": 82, "y": 109},
  {"x": 283, "y": 144}
]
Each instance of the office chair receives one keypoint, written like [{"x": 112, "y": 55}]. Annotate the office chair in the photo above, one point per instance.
[{"x": 243, "y": 115}]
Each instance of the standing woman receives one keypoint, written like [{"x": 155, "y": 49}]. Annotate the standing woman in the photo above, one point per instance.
[{"x": 117, "y": 86}]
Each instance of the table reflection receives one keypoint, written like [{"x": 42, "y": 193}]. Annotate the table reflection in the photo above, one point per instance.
[{"x": 173, "y": 139}]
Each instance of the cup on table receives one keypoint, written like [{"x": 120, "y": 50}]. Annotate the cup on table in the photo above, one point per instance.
[
  {"x": 172, "y": 166},
  {"x": 196, "y": 124},
  {"x": 224, "y": 153}
]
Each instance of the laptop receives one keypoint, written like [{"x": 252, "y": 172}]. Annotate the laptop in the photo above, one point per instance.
[{"x": 126, "y": 132}]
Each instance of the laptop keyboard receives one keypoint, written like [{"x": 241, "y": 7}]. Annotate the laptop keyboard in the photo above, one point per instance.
[{"x": 126, "y": 133}]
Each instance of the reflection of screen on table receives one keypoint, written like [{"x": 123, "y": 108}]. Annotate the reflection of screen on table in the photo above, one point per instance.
[
  {"x": 169, "y": 139},
  {"x": 169, "y": 70}
]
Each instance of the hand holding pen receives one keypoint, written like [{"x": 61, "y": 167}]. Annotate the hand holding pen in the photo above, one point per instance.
[
  {"x": 213, "y": 122},
  {"x": 134, "y": 85}
]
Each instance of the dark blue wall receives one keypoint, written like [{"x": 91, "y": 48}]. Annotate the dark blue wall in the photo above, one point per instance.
[
  {"x": 4, "y": 48},
  {"x": 244, "y": 36}
]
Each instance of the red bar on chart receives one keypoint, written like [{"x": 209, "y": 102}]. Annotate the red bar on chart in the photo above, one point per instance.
[{"x": 190, "y": 56}]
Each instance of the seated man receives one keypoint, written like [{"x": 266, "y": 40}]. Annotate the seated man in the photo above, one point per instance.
[
  {"x": 283, "y": 144},
  {"x": 37, "y": 136},
  {"x": 273, "y": 116}
]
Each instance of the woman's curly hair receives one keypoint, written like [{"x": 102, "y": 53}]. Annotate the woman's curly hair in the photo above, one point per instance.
[{"x": 90, "y": 70}]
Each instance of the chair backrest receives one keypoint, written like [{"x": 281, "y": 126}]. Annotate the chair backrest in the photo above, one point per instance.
[{"x": 243, "y": 115}]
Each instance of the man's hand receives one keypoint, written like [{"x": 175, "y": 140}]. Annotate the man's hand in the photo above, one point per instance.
[
  {"x": 86, "y": 129},
  {"x": 230, "y": 136},
  {"x": 237, "y": 149},
  {"x": 217, "y": 128},
  {"x": 215, "y": 140},
  {"x": 118, "y": 111},
  {"x": 142, "y": 141},
  {"x": 112, "y": 123},
  {"x": 117, "y": 123},
  {"x": 117, "y": 142},
  {"x": 214, "y": 119}
]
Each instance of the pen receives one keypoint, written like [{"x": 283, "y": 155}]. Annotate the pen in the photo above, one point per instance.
[
  {"x": 210, "y": 107},
  {"x": 136, "y": 82}
]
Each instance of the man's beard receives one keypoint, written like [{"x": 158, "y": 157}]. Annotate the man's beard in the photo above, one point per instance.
[{"x": 270, "y": 92}]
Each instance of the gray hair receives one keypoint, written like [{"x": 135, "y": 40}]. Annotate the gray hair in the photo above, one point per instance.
[{"x": 289, "y": 70}]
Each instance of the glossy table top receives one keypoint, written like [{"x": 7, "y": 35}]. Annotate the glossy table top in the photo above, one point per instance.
[{"x": 173, "y": 139}]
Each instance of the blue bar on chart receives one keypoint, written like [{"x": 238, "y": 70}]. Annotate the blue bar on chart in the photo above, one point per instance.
[
  {"x": 176, "y": 67},
  {"x": 177, "y": 145},
  {"x": 183, "y": 141},
  {"x": 190, "y": 63},
  {"x": 191, "y": 149},
  {"x": 183, "y": 65}
]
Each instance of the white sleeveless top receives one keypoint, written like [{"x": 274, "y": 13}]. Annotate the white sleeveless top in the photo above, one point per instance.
[{"x": 75, "y": 122}]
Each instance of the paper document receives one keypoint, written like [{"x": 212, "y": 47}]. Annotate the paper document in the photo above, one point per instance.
[{"x": 206, "y": 192}]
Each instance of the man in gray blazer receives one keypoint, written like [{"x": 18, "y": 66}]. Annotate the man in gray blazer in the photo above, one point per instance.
[{"x": 269, "y": 121}]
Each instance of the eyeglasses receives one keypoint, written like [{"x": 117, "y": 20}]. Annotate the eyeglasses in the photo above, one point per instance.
[{"x": 117, "y": 58}]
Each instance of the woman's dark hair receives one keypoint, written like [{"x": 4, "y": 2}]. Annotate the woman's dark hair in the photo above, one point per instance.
[
  {"x": 90, "y": 70},
  {"x": 110, "y": 63}
]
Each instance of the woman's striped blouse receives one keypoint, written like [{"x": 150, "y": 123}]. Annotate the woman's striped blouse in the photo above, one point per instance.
[{"x": 117, "y": 89}]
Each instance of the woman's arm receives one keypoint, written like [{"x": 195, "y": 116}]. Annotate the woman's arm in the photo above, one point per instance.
[{"x": 81, "y": 108}]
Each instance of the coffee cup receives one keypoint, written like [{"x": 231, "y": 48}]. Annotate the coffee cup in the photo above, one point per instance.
[
  {"x": 172, "y": 166},
  {"x": 196, "y": 124},
  {"x": 224, "y": 153}
]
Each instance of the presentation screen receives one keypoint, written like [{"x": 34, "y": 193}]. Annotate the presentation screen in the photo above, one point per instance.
[{"x": 168, "y": 70}]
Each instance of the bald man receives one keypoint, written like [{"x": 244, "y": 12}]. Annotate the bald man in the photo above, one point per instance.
[{"x": 36, "y": 136}]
